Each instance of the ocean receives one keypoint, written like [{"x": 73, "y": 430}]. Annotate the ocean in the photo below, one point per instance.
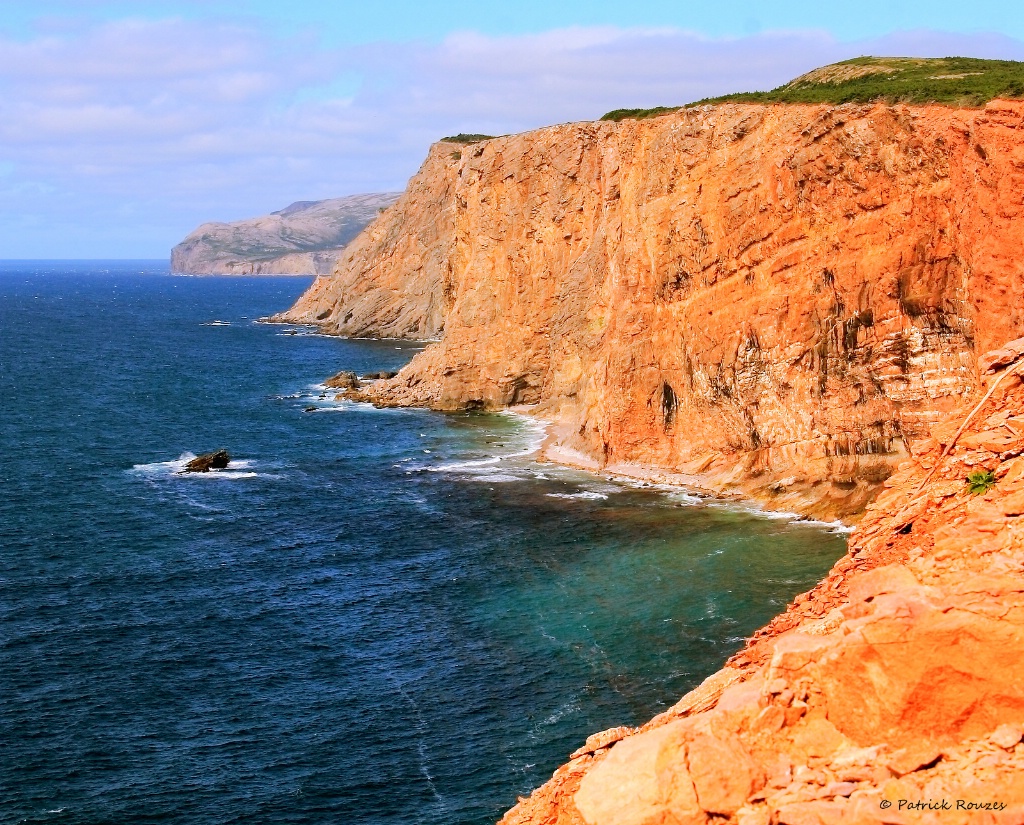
[{"x": 372, "y": 616}]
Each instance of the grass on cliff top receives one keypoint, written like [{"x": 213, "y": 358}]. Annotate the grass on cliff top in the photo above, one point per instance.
[
  {"x": 954, "y": 81},
  {"x": 464, "y": 138}
]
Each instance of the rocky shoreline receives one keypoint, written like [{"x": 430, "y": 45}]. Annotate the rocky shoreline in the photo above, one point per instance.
[
  {"x": 781, "y": 299},
  {"x": 894, "y": 683}
]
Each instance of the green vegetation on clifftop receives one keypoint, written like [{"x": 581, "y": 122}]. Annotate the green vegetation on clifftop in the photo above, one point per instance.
[
  {"x": 638, "y": 114},
  {"x": 955, "y": 81},
  {"x": 464, "y": 138}
]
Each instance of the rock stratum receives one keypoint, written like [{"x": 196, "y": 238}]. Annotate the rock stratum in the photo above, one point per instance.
[
  {"x": 790, "y": 302},
  {"x": 305, "y": 238}
]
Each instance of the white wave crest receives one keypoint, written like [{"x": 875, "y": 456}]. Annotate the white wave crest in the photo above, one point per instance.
[
  {"x": 591, "y": 495},
  {"x": 687, "y": 499},
  {"x": 474, "y": 464},
  {"x": 493, "y": 477}
]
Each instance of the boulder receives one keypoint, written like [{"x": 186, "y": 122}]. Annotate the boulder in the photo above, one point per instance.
[
  {"x": 1002, "y": 357},
  {"x": 216, "y": 460},
  {"x": 344, "y": 380}
]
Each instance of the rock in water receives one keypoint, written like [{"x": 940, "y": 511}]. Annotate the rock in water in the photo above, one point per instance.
[
  {"x": 344, "y": 380},
  {"x": 216, "y": 460}
]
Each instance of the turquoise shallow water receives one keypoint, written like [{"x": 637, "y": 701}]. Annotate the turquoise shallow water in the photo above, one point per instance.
[{"x": 374, "y": 617}]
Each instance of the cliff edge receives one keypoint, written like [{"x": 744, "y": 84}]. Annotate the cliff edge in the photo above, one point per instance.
[
  {"x": 813, "y": 304},
  {"x": 774, "y": 300}
]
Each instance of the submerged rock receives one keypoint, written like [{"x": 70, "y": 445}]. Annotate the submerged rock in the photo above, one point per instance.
[
  {"x": 217, "y": 460},
  {"x": 344, "y": 380}
]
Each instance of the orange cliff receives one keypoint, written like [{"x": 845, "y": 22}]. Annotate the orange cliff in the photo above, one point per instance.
[
  {"x": 788, "y": 302},
  {"x": 778, "y": 301}
]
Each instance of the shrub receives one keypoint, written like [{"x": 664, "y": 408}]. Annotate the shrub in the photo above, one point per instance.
[
  {"x": 464, "y": 138},
  {"x": 981, "y": 481},
  {"x": 638, "y": 114}
]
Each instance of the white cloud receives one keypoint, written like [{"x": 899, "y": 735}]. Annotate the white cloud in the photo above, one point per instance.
[{"x": 179, "y": 122}]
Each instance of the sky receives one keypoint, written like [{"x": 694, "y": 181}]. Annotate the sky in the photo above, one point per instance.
[{"x": 124, "y": 125}]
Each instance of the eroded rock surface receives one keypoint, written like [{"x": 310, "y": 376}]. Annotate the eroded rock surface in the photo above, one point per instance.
[
  {"x": 396, "y": 280},
  {"x": 788, "y": 302},
  {"x": 775, "y": 299}
]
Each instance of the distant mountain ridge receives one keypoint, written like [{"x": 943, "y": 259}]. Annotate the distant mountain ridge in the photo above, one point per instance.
[{"x": 304, "y": 238}]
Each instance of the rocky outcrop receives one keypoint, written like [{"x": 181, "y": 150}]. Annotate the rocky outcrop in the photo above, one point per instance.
[
  {"x": 305, "y": 238},
  {"x": 891, "y": 693},
  {"x": 344, "y": 380},
  {"x": 217, "y": 460}
]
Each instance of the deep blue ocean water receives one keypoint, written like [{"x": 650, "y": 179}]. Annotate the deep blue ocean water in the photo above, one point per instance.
[{"x": 373, "y": 617}]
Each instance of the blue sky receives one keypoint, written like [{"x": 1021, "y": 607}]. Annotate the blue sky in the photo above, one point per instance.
[
  {"x": 365, "y": 22},
  {"x": 124, "y": 125}
]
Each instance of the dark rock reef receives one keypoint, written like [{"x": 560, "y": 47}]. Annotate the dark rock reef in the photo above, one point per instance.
[{"x": 217, "y": 460}]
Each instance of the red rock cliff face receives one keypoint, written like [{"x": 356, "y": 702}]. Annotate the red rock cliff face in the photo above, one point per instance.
[
  {"x": 395, "y": 279},
  {"x": 781, "y": 299}
]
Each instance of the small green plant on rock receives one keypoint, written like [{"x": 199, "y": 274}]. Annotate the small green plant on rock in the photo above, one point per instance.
[{"x": 981, "y": 481}]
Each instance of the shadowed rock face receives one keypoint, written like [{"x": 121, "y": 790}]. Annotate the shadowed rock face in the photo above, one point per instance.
[
  {"x": 779, "y": 299},
  {"x": 305, "y": 238}
]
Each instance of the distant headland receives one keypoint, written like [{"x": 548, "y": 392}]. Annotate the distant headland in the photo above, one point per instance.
[{"x": 302, "y": 239}]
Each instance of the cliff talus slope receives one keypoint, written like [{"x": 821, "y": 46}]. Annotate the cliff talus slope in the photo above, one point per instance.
[{"x": 779, "y": 299}]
